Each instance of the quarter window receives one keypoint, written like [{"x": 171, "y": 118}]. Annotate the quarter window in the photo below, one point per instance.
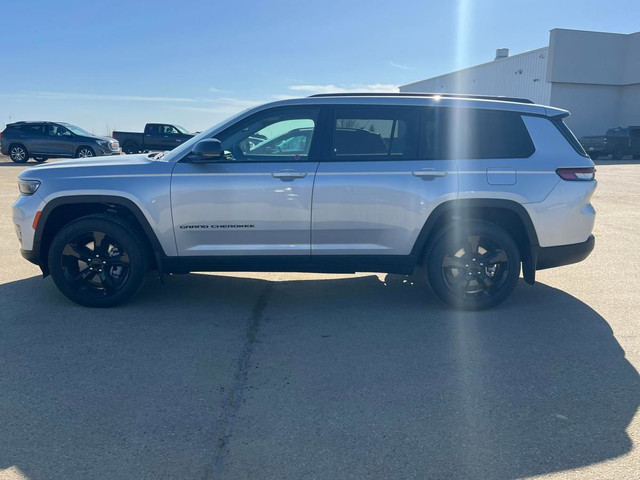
[{"x": 450, "y": 133}]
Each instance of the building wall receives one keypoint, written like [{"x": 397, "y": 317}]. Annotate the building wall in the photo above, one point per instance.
[
  {"x": 517, "y": 76},
  {"x": 598, "y": 58},
  {"x": 594, "y": 108},
  {"x": 596, "y": 76}
]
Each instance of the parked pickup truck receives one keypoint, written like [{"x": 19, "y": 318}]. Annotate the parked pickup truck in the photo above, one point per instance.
[
  {"x": 617, "y": 142},
  {"x": 156, "y": 136}
]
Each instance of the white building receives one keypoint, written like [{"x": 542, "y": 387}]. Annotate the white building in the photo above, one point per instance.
[{"x": 594, "y": 75}]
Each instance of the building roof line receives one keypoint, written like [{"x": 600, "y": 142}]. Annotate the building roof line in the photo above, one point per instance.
[{"x": 476, "y": 66}]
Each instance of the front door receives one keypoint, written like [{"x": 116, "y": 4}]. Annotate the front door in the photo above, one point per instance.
[{"x": 257, "y": 200}]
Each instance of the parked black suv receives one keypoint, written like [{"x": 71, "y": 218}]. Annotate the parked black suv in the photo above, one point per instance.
[{"x": 42, "y": 140}]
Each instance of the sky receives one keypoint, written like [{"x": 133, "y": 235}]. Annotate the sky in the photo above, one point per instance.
[{"x": 113, "y": 64}]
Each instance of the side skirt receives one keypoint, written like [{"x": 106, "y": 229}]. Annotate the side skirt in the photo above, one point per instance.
[{"x": 400, "y": 264}]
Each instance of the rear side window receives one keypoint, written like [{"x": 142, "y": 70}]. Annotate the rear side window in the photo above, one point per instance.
[
  {"x": 450, "y": 133},
  {"x": 375, "y": 133}
]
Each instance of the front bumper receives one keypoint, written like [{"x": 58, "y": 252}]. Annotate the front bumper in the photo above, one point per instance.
[
  {"x": 103, "y": 152},
  {"x": 548, "y": 257}
]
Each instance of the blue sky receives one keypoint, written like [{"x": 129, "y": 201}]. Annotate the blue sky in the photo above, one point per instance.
[{"x": 118, "y": 64}]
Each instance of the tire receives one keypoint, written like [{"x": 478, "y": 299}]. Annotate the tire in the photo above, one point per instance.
[
  {"x": 18, "y": 153},
  {"x": 93, "y": 273},
  {"x": 617, "y": 154},
  {"x": 41, "y": 159},
  {"x": 85, "y": 152},
  {"x": 130, "y": 147},
  {"x": 459, "y": 276}
]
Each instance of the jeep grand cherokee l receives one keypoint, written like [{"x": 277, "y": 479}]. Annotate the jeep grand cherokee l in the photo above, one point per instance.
[{"x": 472, "y": 189}]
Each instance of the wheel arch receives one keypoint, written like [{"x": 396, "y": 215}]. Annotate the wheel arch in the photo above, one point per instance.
[
  {"x": 61, "y": 211},
  {"x": 507, "y": 214}
]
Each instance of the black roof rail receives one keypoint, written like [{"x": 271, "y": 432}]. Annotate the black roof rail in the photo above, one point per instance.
[{"x": 431, "y": 95}]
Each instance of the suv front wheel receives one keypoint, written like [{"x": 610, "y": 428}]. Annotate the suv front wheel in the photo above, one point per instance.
[
  {"x": 97, "y": 261},
  {"x": 474, "y": 265}
]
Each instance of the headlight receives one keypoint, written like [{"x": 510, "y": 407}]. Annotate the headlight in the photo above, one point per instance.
[
  {"x": 102, "y": 143},
  {"x": 28, "y": 187}
]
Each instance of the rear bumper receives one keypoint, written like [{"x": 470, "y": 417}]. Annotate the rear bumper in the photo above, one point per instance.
[{"x": 549, "y": 257}]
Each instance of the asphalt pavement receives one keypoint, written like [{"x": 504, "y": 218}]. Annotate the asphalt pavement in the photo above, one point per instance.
[{"x": 305, "y": 376}]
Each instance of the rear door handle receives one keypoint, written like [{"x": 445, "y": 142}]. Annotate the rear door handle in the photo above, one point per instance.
[
  {"x": 429, "y": 172},
  {"x": 288, "y": 174}
]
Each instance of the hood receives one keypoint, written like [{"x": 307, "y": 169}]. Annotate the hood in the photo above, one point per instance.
[{"x": 97, "y": 165}]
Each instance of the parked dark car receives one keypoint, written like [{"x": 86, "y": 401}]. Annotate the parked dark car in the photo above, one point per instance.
[
  {"x": 617, "y": 142},
  {"x": 156, "y": 136},
  {"x": 43, "y": 140}
]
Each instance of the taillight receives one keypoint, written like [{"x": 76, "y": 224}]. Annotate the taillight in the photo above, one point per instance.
[{"x": 577, "y": 174}]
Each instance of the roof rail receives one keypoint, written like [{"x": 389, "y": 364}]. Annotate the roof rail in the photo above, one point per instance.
[{"x": 431, "y": 95}]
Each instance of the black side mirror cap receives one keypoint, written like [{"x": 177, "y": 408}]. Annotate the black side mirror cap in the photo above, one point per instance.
[{"x": 206, "y": 151}]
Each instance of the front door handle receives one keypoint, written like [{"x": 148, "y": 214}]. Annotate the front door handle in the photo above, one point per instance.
[
  {"x": 429, "y": 172},
  {"x": 288, "y": 174}
]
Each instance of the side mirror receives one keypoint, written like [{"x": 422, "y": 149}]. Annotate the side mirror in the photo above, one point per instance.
[{"x": 206, "y": 151}]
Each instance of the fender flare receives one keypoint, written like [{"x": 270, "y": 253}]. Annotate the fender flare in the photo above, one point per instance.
[{"x": 466, "y": 208}]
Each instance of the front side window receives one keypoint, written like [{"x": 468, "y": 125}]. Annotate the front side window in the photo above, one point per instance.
[
  {"x": 272, "y": 136},
  {"x": 374, "y": 133},
  {"x": 169, "y": 130}
]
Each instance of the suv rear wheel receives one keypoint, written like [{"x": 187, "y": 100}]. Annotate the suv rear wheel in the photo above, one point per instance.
[
  {"x": 474, "y": 265},
  {"x": 18, "y": 153},
  {"x": 97, "y": 261}
]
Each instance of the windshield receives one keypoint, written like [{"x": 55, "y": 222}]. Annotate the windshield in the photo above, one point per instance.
[
  {"x": 187, "y": 146},
  {"x": 181, "y": 129},
  {"x": 77, "y": 130}
]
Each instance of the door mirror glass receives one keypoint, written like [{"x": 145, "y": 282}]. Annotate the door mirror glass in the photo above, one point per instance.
[{"x": 206, "y": 151}]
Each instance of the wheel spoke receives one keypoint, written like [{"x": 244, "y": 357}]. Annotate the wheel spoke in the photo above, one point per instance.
[
  {"x": 486, "y": 282},
  {"x": 496, "y": 256},
  {"x": 78, "y": 251},
  {"x": 474, "y": 243},
  {"x": 451, "y": 261},
  {"x": 98, "y": 240},
  {"x": 107, "y": 282},
  {"x": 83, "y": 276}
]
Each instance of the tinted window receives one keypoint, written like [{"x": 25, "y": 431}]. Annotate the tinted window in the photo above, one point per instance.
[
  {"x": 375, "y": 133},
  {"x": 449, "y": 133},
  {"x": 568, "y": 134},
  {"x": 152, "y": 129},
  {"x": 277, "y": 135},
  {"x": 33, "y": 129}
]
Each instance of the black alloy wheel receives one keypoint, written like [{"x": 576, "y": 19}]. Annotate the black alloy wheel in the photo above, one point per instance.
[
  {"x": 474, "y": 266},
  {"x": 96, "y": 261}
]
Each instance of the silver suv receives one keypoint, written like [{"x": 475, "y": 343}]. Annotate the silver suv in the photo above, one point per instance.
[{"x": 469, "y": 188}]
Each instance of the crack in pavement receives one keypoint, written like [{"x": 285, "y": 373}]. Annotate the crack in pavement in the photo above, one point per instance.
[{"x": 232, "y": 403}]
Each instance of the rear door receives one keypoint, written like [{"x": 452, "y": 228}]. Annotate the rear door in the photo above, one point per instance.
[
  {"x": 377, "y": 182},
  {"x": 256, "y": 201},
  {"x": 35, "y": 138}
]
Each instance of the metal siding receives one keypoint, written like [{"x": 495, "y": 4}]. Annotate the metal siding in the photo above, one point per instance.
[{"x": 500, "y": 77}]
